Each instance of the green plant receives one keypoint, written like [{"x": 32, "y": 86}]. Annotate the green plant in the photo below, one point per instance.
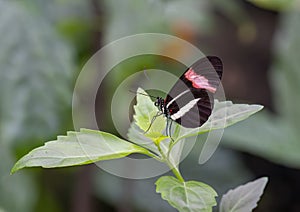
[{"x": 88, "y": 146}]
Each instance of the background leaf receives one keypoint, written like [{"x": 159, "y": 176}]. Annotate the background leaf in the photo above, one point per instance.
[
  {"x": 17, "y": 192},
  {"x": 274, "y": 139},
  {"x": 243, "y": 198},
  {"x": 36, "y": 69},
  {"x": 78, "y": 148},
  {"x": 163, "y": 15},
  {"x": 276, "y": 5},
  {"x": 35, "y": 77},
  {"x": 276, "y": 136},
  {"x": 186, "y": 196}
]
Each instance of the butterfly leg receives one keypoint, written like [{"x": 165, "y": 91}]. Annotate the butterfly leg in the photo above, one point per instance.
[
  {"x": 159, "y": 113},
  {"x": 169, "y": 128}
]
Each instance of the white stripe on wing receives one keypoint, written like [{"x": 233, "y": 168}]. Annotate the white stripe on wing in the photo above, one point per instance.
[
  {"x": 185, "y": 109},
  {"x": 177, "y": 97}
]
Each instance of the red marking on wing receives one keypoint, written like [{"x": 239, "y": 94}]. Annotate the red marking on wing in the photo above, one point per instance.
[{"x": 199, "y": 81}]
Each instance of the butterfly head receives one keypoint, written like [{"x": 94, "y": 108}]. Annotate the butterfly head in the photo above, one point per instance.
[{"x": 160, "y": 104}]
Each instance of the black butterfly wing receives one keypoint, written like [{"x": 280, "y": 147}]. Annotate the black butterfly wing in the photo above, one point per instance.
[{"x": 190, "y": 100}]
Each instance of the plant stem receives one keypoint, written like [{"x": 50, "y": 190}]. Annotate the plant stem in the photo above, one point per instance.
[{"x": 175, "y": 171}]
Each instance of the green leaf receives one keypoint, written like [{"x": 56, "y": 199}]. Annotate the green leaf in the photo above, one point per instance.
[
  {"x": 145, "y": 110},
  {"x": 78, "y": 148},
  {"x": 243, "y": 198},
  {"x": 144, "y": 113},
  {"x": 186, "y": 196},
  {"x": 136, "y": 136},
  {"x": 223, "y": 115}
]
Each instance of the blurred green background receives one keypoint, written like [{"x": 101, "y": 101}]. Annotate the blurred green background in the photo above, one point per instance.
[{"x": 45, "y": 43}]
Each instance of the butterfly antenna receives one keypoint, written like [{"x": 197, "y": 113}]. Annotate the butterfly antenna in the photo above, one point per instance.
[
  {"x": 146, "y": 75},
  {"x": 135, "y": 92}
]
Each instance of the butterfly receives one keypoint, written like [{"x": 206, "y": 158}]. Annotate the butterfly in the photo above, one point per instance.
[{"x": 190, "y": 101}]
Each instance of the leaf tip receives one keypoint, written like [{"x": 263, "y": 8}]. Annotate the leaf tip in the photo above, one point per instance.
[
  {"x": 140, "y": 90},
  {"x": 15, "y": 168},
  {"x": 259, "y": 107}
]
